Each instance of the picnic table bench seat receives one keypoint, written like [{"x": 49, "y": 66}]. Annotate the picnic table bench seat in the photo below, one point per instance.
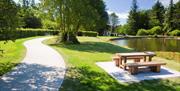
[{"x": 154, "y": 66}]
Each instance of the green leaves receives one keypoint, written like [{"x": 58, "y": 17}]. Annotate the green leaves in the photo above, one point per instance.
[
  {"x": 8, "y": 18},
  {"x": 71, "y": 15}
]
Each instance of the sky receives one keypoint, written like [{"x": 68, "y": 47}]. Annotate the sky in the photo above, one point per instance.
[{"x": 122, "y": 7}]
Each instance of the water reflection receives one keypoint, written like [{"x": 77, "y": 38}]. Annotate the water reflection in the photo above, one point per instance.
[{"x": 151, "y": 44}]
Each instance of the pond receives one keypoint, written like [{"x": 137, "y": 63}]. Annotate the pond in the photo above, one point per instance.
[{"x": 151, "y": 44}]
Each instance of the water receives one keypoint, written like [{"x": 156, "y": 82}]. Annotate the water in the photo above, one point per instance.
[{"x": 151, "y": 44}]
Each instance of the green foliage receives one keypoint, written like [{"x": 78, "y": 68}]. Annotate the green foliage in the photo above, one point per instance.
[
  {"x": 124, "y": 29},
  {"x": 156, "y": 30},
  {"x": 24, "y": 33},
  {"x": 157, "y": 14},
  {"x": 32, "y": 22},
  {"x": 176, "y": 16},
  {"x": 88, "y": 33},
  {"x": 83, "y": 73},
  {"x": 13, "y": 54},
  {"x": 143, "y": 19},
  {"x": 70, "y": 15},
  {"x": 30, "y": 14},
  {"x": 168, "y": 24},
  {"x": 133, "y": 19},
  {"x": 113, "y": 21},
  {"x": 168, "y": 19},
  {"x": 175, "y": 33},
  {"x": 48, "y": 24},
  {"x": 142, "y": 32},
  {"x": 8, "y": 19}
]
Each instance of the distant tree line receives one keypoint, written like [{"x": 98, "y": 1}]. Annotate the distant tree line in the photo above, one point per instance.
[{"x": 159, "y": 20}]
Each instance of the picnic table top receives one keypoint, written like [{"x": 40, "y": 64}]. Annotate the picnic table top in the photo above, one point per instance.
[{"x": 137, "y": 54}]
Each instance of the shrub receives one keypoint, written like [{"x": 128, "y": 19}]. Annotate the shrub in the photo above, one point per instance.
[
  {"x": 32, "y": 22},
  {"x": 88, "y": 33},
  {"x": 23, "y": 33},
  {"x": 142, "y": 32},
  {"x": 156, "y": 30},
  {"x": 175, "y": 33}
]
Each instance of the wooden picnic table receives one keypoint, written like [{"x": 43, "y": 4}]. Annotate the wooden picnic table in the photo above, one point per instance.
[{"x": 125, "y": 56}]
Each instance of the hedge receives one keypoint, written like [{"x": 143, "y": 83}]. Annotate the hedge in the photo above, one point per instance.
[
  {"x": 175, "y": 33},
  {"x": 23, "y": 33},
  {"x": 157, "y": 30},
  {"x": 142, "y": 32},
  {"x": 88, "y": 33}
]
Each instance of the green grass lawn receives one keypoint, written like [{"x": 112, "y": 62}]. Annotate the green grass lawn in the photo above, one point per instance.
[
  {"x": 14, "y": 52},
  {"x": 84, "y": 75}
]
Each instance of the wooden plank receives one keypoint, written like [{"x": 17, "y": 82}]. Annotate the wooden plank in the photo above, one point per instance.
[
  {"x": 136, "y": 54},
  {"x": 155, "y": 68},
  {"x": 133, "y": 70},
  {"x": 116, "y": 59},
  {"x": 145, "y": 64}
]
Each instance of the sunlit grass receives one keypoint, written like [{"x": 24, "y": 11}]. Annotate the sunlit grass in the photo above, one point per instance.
[
  {"x": 84, "y": 75},
  {"x": 14, "y": 52}
]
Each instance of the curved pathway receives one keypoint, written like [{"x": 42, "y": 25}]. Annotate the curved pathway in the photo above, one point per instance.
[{"x": 42, "y": 69}]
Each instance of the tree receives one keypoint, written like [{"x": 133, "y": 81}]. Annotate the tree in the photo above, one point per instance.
[
  {"x": 9, "y": 20},
  {"x": 157, "y": 14},
  {"x": 113, "y": 21},
  {"x": 168, "y": 24},
  {"x": 143, "y": 19},
  {"x": 27, "y": 3},
  {"x": 176, "y": 16},
  {"x": 71, "y": 15},
  {"x": 28, "y": 17},
  {"x": 133, "y": 18}
]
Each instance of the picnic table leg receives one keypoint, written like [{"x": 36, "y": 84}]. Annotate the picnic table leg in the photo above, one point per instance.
[
  {"x": 144, "y": 58},
  {"x": 150, "y": 58},
  {"x": 125, "y": 60},
  {"x": 155, "y": 68},
  {"x": 120, "y": 61}
]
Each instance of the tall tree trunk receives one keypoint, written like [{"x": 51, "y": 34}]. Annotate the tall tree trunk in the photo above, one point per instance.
[{"x": 69, "y": 37}]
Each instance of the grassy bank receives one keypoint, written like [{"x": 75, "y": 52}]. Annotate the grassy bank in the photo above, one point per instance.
[
  {"x": 170, "y": 55},
  {"x": 13, "y": 54},
  {"x": 84, "y": 75}
]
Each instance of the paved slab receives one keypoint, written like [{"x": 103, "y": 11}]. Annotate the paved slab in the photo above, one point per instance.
[
  {"x": 42, "y": 69},
  {"x": 123, "y": 76}
]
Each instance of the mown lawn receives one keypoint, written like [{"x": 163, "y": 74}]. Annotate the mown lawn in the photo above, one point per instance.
[
  {"x": 84, "y": 75},
  {"x": 170, "y": 55},
  {"x": 14, "y": 52}
]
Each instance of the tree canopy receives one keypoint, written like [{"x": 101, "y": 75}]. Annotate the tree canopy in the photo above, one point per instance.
[
  {"x": 157, "y": 14},
  {"x": 133, "y": 18},
  {"x": 71, "y": 15},
  {"x": 9, "y": 20},
  {"x": 113, "y": 21}
]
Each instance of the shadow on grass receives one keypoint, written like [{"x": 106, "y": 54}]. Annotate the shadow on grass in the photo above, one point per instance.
[
  {"x": 6, "y": 67},
  {"x": 84, "y": 79},
  {"x": 94, "y": 47}
]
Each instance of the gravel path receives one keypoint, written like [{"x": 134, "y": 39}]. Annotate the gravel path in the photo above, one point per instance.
[{"x": 42, "y": 69}]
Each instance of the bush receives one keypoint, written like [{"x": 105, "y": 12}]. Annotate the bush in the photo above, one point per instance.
[
  {"x": 142, "y": 32},
  {"x": 32, "y": 22},
  {"x": 23, "y": 33},
  {"x": 88, "y": 33},
  {"x": 156, "y": 30},
  {"x": 175, "y": 33}
]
